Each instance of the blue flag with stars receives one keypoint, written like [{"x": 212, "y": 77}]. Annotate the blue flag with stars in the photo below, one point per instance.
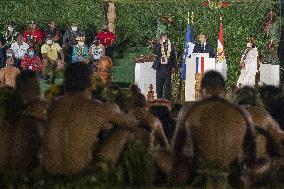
[{"x": 188, "y": 48}]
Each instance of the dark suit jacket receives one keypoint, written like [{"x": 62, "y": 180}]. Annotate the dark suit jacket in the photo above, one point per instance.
[
  {"x": 172, "y": 61},
  {"x": 208, "y": 49},
  {"x": 3, "y": 57}
]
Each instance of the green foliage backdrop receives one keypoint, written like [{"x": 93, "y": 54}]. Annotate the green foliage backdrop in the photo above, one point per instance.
[
  {"x": 137, "y": 21},
  {"x": 88, "y": 13}
]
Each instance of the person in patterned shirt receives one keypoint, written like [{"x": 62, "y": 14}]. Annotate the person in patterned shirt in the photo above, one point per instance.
[
  {"x": 80, "y": 51},
  {"x": 9, "y": 36},
  {"x": 31, "y": 61}
]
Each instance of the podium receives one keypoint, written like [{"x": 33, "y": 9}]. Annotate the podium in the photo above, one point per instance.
[
  {"x": 269, "y": 74},
  {"x": 144, "y": 76},
  {"x": 196, "y": 66}
]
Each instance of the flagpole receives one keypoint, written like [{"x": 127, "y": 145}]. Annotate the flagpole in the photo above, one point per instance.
[
  {"x": 188, "y": 18},
  {"x": 182, "y": 82},
  {"x": 192, "y": 17}
]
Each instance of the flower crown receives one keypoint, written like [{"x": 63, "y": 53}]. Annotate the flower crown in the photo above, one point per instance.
[{"x": 251, "y": 40}]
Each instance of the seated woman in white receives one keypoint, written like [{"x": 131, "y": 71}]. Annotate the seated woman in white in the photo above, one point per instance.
[{"x": 248, "y": 65}]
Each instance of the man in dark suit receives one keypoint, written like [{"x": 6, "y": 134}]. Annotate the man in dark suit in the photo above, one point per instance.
[
  {"x": 164, "y": 64},
  {"x": 204, "y": 46}
]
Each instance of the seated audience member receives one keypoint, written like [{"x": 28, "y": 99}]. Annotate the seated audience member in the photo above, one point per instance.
[
  {"x": 31, "y": 61},
  {"x": 269, "y": 136},
  {"x": 19, "y": 137},
  {"x": 9, "y": 73},
  {"x": 107, "y": 38},
  {"x": 213, "y": 86},
  {"x": 96, "y": 50},
  {"x": 212, "y": 133},
  {"x": 69, "y": 40},
  {"x": 51, "y": 60},
  {"x": 276, "y": 109},
  {"x": 116, "y": 98},
  {"x": 104, "y": 70},
  {"x": 9, "y": 53},
  {"x": 53, "y": 31},
  {"x": 19, "y": 48},
  {"x": 9, "y": 36},
  {"x": 80, "y": 52},
  {"x": 3, "y": 56},
  {"x": 33, "y": 36},
  {"x": 27, "y": 88},
  {"x": 150, "y": 129},
  {"x": 269, "y": 93},
  {"x": 164, "y": 115},
  {"x": 74, "y": 123}
]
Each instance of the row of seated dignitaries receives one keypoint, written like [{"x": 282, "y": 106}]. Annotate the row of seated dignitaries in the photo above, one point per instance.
[{"x": 242, "y": 141}]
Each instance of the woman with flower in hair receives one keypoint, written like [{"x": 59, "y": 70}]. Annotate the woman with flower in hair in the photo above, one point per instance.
[{"x": 248, "y": 64}]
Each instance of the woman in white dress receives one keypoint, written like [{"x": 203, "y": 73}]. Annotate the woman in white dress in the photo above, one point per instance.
[{"x": 248, "y": 65}]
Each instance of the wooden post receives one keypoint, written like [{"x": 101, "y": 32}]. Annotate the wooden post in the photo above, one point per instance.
[{"x": 111, "y": 16}]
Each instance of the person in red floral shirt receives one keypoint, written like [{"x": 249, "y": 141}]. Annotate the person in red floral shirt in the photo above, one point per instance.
[
  {"x": 33, "y": 36},
  {"x": 106, "y": 38},
  {"x": 31, "y": 61}
]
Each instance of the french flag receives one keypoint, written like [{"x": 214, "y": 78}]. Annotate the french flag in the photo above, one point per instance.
[{"x": 199, "y": 67}]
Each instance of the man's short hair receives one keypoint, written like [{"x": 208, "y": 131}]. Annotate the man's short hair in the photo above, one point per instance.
[
  {"x": 77, "y": 77},
  {"x": 202, "y": 33},
  {"x": 11, "y": 23},
  {"x": 163, "y": 34},
  {"x": 213, "y": 81}
]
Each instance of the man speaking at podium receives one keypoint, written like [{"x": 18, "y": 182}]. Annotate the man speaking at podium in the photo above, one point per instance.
[{"x": 204, "y": 46}]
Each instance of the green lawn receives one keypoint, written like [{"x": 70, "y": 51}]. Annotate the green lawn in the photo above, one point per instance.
[{"x": 124, "y": 68}]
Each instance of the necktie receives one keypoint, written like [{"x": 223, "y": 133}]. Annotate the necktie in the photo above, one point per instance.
[{"x": 202, "y": 48}]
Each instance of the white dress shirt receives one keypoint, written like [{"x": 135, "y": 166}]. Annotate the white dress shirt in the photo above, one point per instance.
[{"x": 19, "y": 50}]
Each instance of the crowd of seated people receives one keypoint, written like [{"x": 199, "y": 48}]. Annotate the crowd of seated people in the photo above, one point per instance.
[
  {"x": 38, "y": 50},
  {"x": 239, "y": 140}
]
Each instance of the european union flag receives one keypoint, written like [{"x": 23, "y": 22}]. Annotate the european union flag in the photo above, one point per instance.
[{"x": 188, "y": 48}]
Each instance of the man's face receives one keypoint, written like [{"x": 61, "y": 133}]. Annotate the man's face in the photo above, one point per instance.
[
  {"x": 164, "y": 38},
  {"x": 52, "y": 24},
  {"x": 74, "y": 27},
  {"x": 33, "y": 26},
  {"x": 105, "y": 28},
  {"x": 20, "y": 39},
  {"x": 9, "y": 61},
  {"x": 202, "y": 39},
  {"x": 49, "y": 41},
  {"x": 10, "y": 28}
]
